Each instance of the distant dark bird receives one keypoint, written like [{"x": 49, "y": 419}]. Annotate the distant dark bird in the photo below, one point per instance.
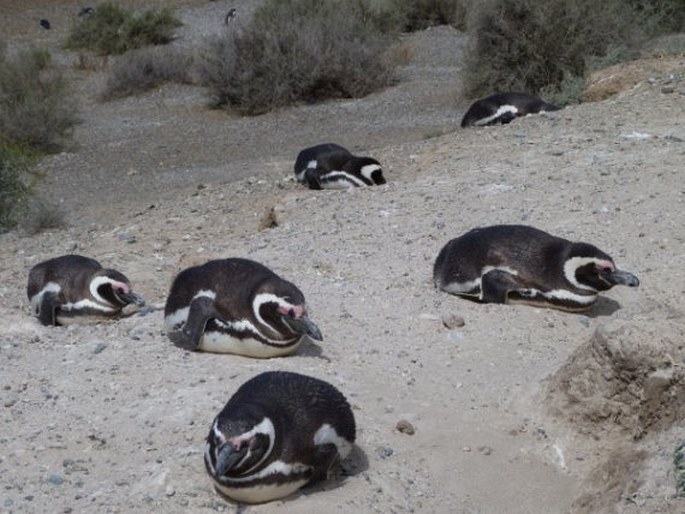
[
  {"x": 517, "y": 263},
  {"x": 230, "y": 15},
  {"x": 237, "y": 306},
  {"x": 279, "y": 432},
  {"x": 85, "y": 11},
  {"x": 330, "y": 166},
  {"x": 76, "y": 289},
  {"x": 44, "y": 24},
  {"x": 503, "y": 108}
]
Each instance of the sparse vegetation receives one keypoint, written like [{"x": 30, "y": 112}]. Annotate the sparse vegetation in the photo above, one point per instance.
[
  {"x": 42, "y": 214},
  {"x": 112, "y": 29},
  {"x": 14, "y": 189},
  {"x": 145, "y": 69},
  {"x": 414, "y": 15},
  {"x": 532, "y": 46},
  {"x": 36, "y": 109},
  {"x": 297, "y": 51}
]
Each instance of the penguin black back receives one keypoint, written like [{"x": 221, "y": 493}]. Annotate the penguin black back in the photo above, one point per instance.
[
  {"x": 505, "y": 263},
  {"x": 278, "y": 432},
  {"x": 503, "y": 108}
]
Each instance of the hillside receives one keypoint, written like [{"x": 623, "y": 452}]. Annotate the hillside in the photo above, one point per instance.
[{"x": 516, "y": 410}]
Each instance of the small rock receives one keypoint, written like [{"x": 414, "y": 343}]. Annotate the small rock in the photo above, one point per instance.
[
  {"x": 485, "y": 450},
  {"x": 55, "y": 480},
  {"x": 403, "y": 426},
  {"x": 466, "y": 449},
  {"x": 384, "y": 452},
  {"x": 169, "y": 491},
  {"x": 452, "y": 320},
  {"x": 667, "y": 89},
  {"x": 99, "y": 346},
  {"x": 7, "y": 503}
]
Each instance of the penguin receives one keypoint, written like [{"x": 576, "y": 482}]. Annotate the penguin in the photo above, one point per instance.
[
  {"x": 503, "y": 108},
  {"x": 237, "y": 306},
  {"x": 85, "y": 11},
  {"x": 230, "y": 15},
  {"x": 518, "y": 263},
  {"x": 330, "y": 166},
  {"x": 278, "y": 432},
  {"x": 44, "y": 24},
  {"x": 73, "y": 289}
]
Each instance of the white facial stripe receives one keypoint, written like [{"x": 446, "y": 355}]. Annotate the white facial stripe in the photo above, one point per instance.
[
  {"x": 266, "y": 427},
  {"x": 368, "y": 170},
  {"x": 263, "y": 298},
  {"x": 36, "y": 299},
  {"x": 96, "y": 283},
  {"x": 327, "y": 434},
  {"x": 572, "y": 265},
  {"x": 502, "y": 110},
  {"x": 205, "y": 293}
]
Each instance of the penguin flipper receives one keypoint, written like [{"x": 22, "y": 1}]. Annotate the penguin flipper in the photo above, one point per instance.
[
  {"x": 311, "y": 177},
  {"x": 48, "y": 309},
  {"x": 201, "y": 311},
  {"x": 495, "y": 285},
  {"x": 326, "y": 459}
]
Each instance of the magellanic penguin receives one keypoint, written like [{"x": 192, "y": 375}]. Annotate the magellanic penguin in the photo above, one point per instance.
[
  {"x": 74, "y": 289},
  {"x": 279, "y": 432},
  {"x": 330, "y": 166},
  {"x": 236, "y": 306},
  {"x": 503, "y": 108},
  {"x": 516, "y": 263}
]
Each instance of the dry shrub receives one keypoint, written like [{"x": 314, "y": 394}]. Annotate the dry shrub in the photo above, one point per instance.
[
  {"x": 111, "y": 29},
  {"x": 297, "y": 50},
  {"x": 43, "y": 214},
  {"x": 15, "y": 189},
  {"x": 145, "y": 69},
  {"x": 36, "y": 108},
  {"x": 412, "y": 15},
  {"x": 528, "y": 45}
]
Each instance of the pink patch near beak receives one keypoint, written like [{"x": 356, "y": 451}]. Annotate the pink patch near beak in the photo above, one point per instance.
[{"x": 121, "y": 287}]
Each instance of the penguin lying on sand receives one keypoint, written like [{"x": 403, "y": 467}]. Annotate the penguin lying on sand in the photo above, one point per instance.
[
  {"x": 503, "y": 108},
  {"x": 75, "y": 289},
  {"x": 279, "y": 432},
  {"x": 236, "y": 306},
  {"x": 330, "y": 166},
  {"x": 516, "y": 263}
]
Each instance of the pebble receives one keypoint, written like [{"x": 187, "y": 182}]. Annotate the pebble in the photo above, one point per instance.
[
  {"x": 99, "y": 346},
  {"x": 485, "y": 450},
  {"x": 169, "y": 491},
  {"x": 7, "y": 503},
  {"x": 452, "y": 320},
  {"x": 667, "y": 89},
  {"x": 55, "y": 480},
  {"x": 384, "y": 452},
  {"x": 403, "y": 426}
]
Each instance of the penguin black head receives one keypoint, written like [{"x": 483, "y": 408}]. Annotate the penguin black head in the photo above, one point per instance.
[
  {"x": 230, "y": 15},
  {"x": 282, "y": 304},
  {"x": 45, "y": 24},
  {"x": 370, "y": 169},
  {"x": 241, "y": 438},
  {"x": 111, "y": 286},
  {"x": 589, "y": 268}
]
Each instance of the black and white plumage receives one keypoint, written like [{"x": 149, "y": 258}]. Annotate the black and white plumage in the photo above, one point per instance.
[
  {"x": 330, "y": 166},
  {"x": 237, "y": 306},
  {"x": 503, "y": 108},
  {"x": 279, "y": 432},
  {"x": 74, "y": 289},
  {"x": 230, "y": 15},
  {"x": 44, "y": 24},
  {"x": 517, "y": 263}
]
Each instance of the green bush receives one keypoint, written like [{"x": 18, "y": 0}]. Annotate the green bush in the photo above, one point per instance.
[
  {"x": 14, "y": 189},
  {"x": 297, "y": 50},
  {"x": 111, "y": 29},
  {"x": 35, "y": 106},
  {"x": 145, "y": 69}
]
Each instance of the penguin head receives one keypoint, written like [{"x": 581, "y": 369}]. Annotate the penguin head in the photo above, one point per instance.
[
  {"x": 112, "y": 287},
  {"x": 241, "y": 438},
  {"x": 280, "y": 306},
  {"x": 589, "y": 268},
  {"x": 370, "y": 169}
]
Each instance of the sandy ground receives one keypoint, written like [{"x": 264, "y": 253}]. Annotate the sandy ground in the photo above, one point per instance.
[{"x": 516, "y": 410}]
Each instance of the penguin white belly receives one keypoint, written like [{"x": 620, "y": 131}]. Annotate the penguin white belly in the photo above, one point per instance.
[
  {"x": 220, "y": 342},
  {"x": 260, "y": 493}
]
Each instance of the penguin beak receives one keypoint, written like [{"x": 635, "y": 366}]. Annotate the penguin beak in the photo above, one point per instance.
[
  {"x": 133, "y": 298},
  {"x": 619, "y": 277},
  {"x": 303, "y": 325},
  {"x": 227, "y": 458}
]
